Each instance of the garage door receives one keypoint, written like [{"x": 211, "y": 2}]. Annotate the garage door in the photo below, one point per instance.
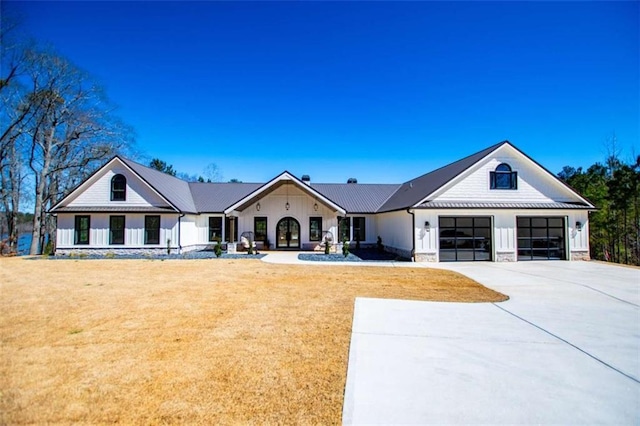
[
  {"x": 541, "y": 238},
  {"x": 465, "y": 238}
]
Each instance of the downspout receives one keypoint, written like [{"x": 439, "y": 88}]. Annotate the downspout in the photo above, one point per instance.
[
  {"x": 179, "y": 237},
  {"x": 413, "y": 234}
]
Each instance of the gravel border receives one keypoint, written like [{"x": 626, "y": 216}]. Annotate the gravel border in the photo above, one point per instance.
[
  {"x": 354, "y": 256},
  {"x": 188, "y": 255}
]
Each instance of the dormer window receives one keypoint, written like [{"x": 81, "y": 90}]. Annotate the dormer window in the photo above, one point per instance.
[
  {"x": 118, "y": 188},
  {"x": 504, "y": 178}
]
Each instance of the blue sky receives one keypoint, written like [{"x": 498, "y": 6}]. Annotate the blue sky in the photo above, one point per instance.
[{"x": 381, "y": 91}]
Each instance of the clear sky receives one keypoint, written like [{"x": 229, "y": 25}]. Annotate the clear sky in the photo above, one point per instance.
[{"x": 380, "y": 91}]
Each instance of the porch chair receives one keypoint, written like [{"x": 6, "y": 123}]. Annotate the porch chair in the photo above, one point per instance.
[{"x": 246, "y": 239}]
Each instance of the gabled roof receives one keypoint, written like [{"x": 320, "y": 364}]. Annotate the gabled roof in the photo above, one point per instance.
[
  {"x": 357, "y": 197},
  {"x": 282, "y": 179},
  {"x": 175, "y": 190},
  {"x": 197, "y": 197},
  {"x": 412, "y": 192}
]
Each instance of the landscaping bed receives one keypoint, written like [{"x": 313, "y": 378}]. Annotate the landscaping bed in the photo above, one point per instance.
[
  {"x": 353, "y": 256},
  {"x": 202, "y": 254}
]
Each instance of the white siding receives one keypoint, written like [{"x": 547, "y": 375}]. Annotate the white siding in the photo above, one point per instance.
[
  {"x": 99, "y": 232},
  {"x": 272, "y": 206},
  {"x": 534, "y": 184},
  {"x": 504, "y": 228},
  {"x": 395, "y": 230},
  {"x": 98, "y": 193}
]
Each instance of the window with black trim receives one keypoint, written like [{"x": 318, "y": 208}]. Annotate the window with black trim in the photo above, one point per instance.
[
  {"x": 344, "y": 225},
  {"x": 81, "y": 231},
  {"x": 259, "y": 228},
  {"x": 116, "y": 229},
  {"x": 152, "y": 229},
  {"x": 504, "y": 178},
  {"x": 118, "y": 188},
  {"x": 315, "y": 228},
  {"x": 359, "y": 231},
  {"x": 215, "y": 228}
]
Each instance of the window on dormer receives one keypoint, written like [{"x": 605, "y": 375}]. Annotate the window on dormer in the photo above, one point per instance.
[
  {"x": 504, "y": 178},
  {"x": 118, "y": 188}
]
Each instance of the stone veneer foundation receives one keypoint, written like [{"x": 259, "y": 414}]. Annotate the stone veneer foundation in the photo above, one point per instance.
[{"x": 580, "y": 255}]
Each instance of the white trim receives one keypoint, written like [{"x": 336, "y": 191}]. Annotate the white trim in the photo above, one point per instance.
[
  {"x": 285, "y": 176},
  {"x": 463, "y": 175},
  {"x": 98, "y": 173}
]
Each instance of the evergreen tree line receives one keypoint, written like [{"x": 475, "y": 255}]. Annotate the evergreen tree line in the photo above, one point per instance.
[{"x": 614, "y": 188}]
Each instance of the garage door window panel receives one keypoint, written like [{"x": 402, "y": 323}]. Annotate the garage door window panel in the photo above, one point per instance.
[{"x": 465, "y": 238}]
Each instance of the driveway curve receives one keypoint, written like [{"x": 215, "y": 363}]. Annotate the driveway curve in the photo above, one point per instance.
[{"x": 565, "y": 348}]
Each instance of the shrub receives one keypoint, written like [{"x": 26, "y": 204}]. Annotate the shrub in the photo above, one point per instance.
[
  {"x": 217, "y": 249},
  {"x": 327, "y": 247},
  {"x": 168, "y": 245},
  {"x": 345, "y": 248},
  {"x": 380, "y": 246},
  {"x": 48, "y": 249}
]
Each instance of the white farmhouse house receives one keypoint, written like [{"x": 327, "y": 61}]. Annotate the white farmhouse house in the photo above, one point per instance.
[{"x": 495, "y": 205}]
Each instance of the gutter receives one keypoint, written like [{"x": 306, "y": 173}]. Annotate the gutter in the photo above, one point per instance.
[
  {"x": 179, "y": 236},
  {"x": 413, "y": 234}
]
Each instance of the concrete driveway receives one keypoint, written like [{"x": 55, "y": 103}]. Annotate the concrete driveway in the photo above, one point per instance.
[{"x": 564, "y": 349}]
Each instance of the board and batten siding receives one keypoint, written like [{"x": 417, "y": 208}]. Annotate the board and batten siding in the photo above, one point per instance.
[
  {"x": 504, "y": 230},
  {"x": 99, "y": 231},
  {"x": 98, "y": 194},
  {"x": 395, "y": 230}
]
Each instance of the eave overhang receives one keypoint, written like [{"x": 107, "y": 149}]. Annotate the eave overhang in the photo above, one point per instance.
[{"x": 285, "y": 178}]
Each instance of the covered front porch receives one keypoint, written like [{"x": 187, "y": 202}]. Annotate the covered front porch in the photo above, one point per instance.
[{"x": 289, "y": 214}]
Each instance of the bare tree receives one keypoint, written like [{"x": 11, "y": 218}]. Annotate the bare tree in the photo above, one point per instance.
[
  {"x": 72, "y": 130},
  {"x": 14, "y": 117},
  {"x": 212, "y": 173}
]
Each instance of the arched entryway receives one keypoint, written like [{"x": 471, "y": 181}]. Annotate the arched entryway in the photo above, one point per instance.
[{"x": 288, "y": 233}]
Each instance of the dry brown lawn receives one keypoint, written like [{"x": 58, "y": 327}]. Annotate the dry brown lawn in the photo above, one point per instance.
[{"x": 189, "y": 341}]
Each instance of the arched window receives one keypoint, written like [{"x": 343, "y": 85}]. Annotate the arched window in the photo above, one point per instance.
[
  {"x": 118, "y": 188},
  {"x": 504, "y": 178}
]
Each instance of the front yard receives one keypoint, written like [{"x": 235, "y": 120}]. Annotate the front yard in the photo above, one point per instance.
[{"x": 189, "y": 341}]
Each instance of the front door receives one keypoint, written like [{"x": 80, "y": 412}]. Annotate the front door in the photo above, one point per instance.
[{"x": 288, "y": 233}]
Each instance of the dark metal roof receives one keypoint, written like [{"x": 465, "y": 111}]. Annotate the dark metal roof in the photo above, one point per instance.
[
  {"x": 413, "y": 191},
  {"x": 481, "y": 205},
  {"x": 357, "y": 197},
  {"x": 199, "y": 197},
  {"x": 216, "y": 197},
  {"x": 114, "y": 209},
  {"x": 175, "y": 190}
]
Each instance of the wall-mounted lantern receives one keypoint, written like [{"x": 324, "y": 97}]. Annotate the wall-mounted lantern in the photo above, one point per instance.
[
  {"x": 258, "y": 206},
  {"x": 427, "y": 226},
  {"x": 579, "y": 226}
]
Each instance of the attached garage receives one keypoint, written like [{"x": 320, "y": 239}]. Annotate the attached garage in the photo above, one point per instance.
[
  {"x": 464, "y": 238},
  {"x": 541, "y": 238}
]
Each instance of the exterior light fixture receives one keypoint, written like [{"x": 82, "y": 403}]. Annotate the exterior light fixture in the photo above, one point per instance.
[
  {"x": 315, "y": 206},
  {"x": 579, "y": 226},
  {"x": 258, "y": 206},
  {"x": 287, "y": 205},
  {"x": 427, "y": 225}
]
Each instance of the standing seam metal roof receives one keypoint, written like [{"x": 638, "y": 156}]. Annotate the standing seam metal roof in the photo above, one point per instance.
[
  {"x": 413, "y": 191},
  {"x": 175, "y": 190},
  {"x": 216, "y": 197},
  {"x": 357, "y": 197}
]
